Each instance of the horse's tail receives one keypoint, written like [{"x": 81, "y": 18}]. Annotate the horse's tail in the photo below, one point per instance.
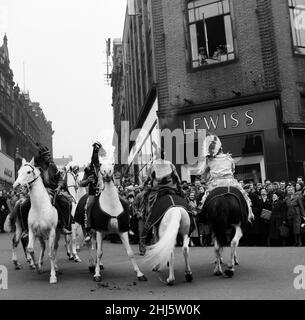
[
  {"x": 218, "y": 216},
  {"x": 159, "y": 253}
]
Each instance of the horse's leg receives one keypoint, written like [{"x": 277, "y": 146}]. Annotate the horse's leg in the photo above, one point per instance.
[
  {"x": 90, "y": 248},
  {"x": 99, "y": 252},
  {"x": 56, "y": 245},
  {"x": 185, "y": 251},
  {"x": 125, "y": 242},
  {"x": 68, "y": 246},
  {"x": 171, "y": 278},
  {"x": 24, "y": 241},
  {"x": 229, "y": 272},
  {"x": 73, "y": 244},
  {"x": 15, "y": 242},
  {"x": 52, "y": 236},
  {"x": 30, "y": 248},
  {"x": 217, "y": 249},
  {"x": 40, "y": 261}
]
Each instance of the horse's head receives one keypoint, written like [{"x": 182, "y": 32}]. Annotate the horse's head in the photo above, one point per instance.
[
  {"x": 27, "y": 174},
  {"x": 106, "y": 170}
]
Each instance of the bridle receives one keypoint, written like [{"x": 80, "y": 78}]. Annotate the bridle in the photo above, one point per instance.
[
  {"x": 35, "y": 178},
  {"x": 104, "y": 180}
]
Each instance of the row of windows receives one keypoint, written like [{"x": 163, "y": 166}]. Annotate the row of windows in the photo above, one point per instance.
[{"x": 211, "y": 36}]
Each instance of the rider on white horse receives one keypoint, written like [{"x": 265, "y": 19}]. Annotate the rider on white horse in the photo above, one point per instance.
[
  {"x": 218, "y": 170},
  {"x": 90, "y": 179},
  {"x": 53, "y": 183},
  {"x": 73, "y": 170},
  {"x": 163, "y": 180}
]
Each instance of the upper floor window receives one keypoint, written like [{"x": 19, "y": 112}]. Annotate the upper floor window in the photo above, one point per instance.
[
  {"x": 297, "y": 18},
  {"x": 210, "y": 32}
]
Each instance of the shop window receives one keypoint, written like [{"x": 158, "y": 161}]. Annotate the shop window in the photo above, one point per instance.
[
  {"x": 302, "y": 109},
  {"x": 297, "y": 19},
  {"x": 210, "y": 32},
  {"x": 243, "y": 145}
]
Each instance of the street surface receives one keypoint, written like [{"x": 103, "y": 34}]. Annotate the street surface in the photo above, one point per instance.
[{"x": 263, "y": 273}]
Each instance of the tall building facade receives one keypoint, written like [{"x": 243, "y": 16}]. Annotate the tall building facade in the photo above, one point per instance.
[
  {"x": 233, "y": 68},
  {"x": 22, "y": 123}
]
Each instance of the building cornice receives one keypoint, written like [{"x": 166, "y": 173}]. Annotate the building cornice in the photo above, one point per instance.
[{"x": 220, "y": 104}]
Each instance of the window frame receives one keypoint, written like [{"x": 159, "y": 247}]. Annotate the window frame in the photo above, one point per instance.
[
  {"x": 293, "y": 31},
  {"x": 190, "y": 60}
]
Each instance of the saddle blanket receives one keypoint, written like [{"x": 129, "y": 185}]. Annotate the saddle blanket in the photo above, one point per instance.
[
  {"x": 160, "y": 207},
  {"x": 220, "y": 192},
  {"x": 100, "y": 219}
]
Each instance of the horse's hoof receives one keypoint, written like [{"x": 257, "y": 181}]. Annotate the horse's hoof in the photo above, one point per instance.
[
  {"x": 142, "y": 278},
  {"x": 17, "y": 265},
  {"x": 229, "y": 273},
  {"x": 188, "y": 276},
  {"x": 53, "y": 280},
  {"x": 92, "y": 269},
  {"x": 40, "y": 271},
  {"x": 218, "y": 273},
  {"x": 77, "y": 259},
  {"x": 170, "y": 282},
  {"x": 97, "y": 278},
  {"x": 156, "y": 268},
  {"x": 236, "y": 263}
]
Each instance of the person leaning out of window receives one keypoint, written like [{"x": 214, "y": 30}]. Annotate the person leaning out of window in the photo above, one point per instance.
[{"x": 295, "y": 214}]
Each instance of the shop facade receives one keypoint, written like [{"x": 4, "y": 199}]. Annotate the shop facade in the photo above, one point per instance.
[
  {"x": 145, "y": 146},
  {"x": 7, "y": 171},
  {"x": 251, "y": 132}
]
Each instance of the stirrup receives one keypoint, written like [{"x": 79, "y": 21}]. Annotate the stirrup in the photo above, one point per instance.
[
  {"x": 87, "y": 238},
  {"x": 66, "y": 231}
]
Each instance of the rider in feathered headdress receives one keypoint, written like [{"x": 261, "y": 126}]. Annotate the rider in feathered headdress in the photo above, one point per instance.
[{"x": 218, "y": 169}]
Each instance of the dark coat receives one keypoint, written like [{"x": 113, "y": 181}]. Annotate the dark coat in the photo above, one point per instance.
[
  {"x": 278, "y": 216},
  {"x": 295, "y": 211}
]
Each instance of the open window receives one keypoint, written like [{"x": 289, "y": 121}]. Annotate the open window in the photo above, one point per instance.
[
  {"x": 297, "y": 18},
  {"x": 210, "y": 32}
]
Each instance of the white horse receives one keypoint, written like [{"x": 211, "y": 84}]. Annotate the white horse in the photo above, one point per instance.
[
  {"x": 43, "y": 218},
  {"x": 175, "y": 220},
  {"x": 19, "y": 236},
  {"x": 109, "y": 202},
  {"x": 71, "y": 240}
]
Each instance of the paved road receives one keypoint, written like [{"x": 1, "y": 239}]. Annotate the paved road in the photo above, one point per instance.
[{"x": 264, "y": 273}]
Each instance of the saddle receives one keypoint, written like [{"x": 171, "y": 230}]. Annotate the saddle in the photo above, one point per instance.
[
  {"x": 159, "y": 208},
  {"x": 79, "y": 215},
  {"x": 220, "y": 192},
  {"x": 100, "y": 219}
]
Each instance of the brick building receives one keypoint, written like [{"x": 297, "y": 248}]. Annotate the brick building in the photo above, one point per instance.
[
  {"x": 22, "y": 123},
  {"x": 118, "y": 98},
  {"x": 234, "y": 68}
]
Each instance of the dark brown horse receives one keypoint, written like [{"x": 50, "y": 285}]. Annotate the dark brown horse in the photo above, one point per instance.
[{"x": 226, "y": 210}]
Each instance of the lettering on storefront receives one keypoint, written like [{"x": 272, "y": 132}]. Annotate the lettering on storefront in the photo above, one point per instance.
[
  {"x": 222, "y": 121},
  {"x": 8, "y": 172}
]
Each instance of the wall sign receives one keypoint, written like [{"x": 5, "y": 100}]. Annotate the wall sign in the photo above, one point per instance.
[{"x": 247, "y": 118}]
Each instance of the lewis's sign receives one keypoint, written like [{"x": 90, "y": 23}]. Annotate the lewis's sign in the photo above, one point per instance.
[{"x": 247, "y": 118}]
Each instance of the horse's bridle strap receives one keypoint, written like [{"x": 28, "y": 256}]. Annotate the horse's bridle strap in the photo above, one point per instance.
[{"x": 30, "y": 183}]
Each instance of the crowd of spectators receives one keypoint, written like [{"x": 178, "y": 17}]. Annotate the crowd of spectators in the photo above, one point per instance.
[{"x": 278, "y": 208}]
